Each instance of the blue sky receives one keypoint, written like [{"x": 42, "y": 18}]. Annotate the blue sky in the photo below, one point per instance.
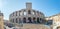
[{"x": 48, "y": 7}]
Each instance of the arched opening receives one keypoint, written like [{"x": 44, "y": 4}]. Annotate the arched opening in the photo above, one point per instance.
[
  {"x": 29, "y": 12},
  {"x": 24, "y": 20},
  {"x": 33, "y": 13},
  {"x": 41, "y": 20},
  {"x": 20, "y": 21},
  {"x": 29, "y": 20},
  {"x": 38, "y": 20},
  {"x": 19, "y": 13},
  {"x": 24, "y": 12},
  {"x": 34, "y": 20}
]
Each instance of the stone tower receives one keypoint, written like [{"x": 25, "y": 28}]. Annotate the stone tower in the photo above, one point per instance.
[{"x": 1, "y": 21}]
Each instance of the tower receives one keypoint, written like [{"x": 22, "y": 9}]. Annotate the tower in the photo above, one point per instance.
[
  {"x": 1, "y": 21},
  {"x": 28, "y": 5}
]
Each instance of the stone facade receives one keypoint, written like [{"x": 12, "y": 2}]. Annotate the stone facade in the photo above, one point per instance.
[
  {"x": 29, "y": 18},
  {"x": 1, "y": 21},
  {"x": 27, "y": 15}
]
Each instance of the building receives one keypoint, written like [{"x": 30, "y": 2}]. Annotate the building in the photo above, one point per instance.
[
  {"x": 1, "y": 21},
  {"x": 29, "y": 18},
  {"x": 56, "y": 21}
]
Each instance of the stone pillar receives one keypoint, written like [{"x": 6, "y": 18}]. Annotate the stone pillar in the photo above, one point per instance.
[{"x": 18, "y": 13}]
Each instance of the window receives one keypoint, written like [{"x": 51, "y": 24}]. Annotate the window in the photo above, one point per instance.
[
  {"x": 29, "y": 12},
  {"x": 24, "y": 20},
  {"x": 24, "y": 13}
]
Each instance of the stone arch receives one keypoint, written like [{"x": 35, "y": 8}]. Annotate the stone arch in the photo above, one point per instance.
[
  {"x": 24, "y": 20},
  {"x": 34, "y": 19},
  {"x": 29, "y": 19}
]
